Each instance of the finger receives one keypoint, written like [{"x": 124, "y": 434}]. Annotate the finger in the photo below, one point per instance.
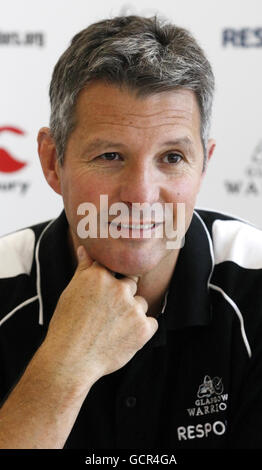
[
  {"x": 131, "y": 281},
  {"x": 134, "y": 278},
  {"x": 84, "y": 260},
  {"x": 153, "y": 325},
  {"x": 142, "y": 301},
  {"x": 122, "y": 276}
]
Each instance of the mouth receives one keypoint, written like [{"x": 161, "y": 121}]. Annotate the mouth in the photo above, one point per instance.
[
  {"x": 135, "y": 230},
  {"x": 135, "y": 226}
]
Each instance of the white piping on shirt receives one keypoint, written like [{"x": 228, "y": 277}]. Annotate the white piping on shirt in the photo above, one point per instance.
[
  {"x": 164, "y": 303},
  {"x": 26, "y": 302},
  {"x": 222, "y": 292},
  {"x": 38, "y": 285},
  {"x": 209, "y": 285},
  {"x": 38, "y": 275},
  {"x": 228, "y": 214}
]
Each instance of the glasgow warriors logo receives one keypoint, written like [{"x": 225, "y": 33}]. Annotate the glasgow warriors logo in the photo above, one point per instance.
[{"x": 210, "y": 387}]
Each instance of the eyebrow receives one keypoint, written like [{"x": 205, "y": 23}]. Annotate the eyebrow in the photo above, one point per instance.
[
  {"x": 186, "y": 141},
  {"x": 99, "y": 143}
]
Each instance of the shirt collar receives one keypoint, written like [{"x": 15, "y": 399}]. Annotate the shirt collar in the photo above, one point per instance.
[
  {"x": 56, "y": 264},
  {"x": 188, "y": 297},
  {"x": 188, "y": 302}
]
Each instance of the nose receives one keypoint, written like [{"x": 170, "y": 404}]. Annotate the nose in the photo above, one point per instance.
[{"x": 139, "y": 184}]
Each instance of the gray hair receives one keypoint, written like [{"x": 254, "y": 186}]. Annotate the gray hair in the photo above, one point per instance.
[{"x": 148, "y": 55}]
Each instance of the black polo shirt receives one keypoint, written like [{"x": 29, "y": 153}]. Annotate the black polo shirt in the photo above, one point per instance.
[{"x": 197, "y": 383}]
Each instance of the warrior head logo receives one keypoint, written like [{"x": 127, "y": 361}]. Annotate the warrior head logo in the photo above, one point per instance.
[{"x": 210, "y": 387}]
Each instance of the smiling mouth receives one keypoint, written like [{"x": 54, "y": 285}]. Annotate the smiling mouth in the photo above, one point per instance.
[{"x": 135, "y": 226}]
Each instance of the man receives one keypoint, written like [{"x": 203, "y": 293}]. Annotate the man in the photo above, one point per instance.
[{"x": 120, "y": 342}]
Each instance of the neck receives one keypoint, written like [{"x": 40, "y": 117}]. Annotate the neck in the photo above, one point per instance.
[{"x": 154, "y": 284}]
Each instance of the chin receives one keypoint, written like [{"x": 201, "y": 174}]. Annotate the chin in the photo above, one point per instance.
[
  {"x": 136, "y": 267},
  {"x": 126, "y": 261}
]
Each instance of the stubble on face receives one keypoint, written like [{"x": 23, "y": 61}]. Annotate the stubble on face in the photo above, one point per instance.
[{"x": 138, "y": 127}]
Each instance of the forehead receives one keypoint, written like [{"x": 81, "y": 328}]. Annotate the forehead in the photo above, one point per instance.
[{"x": 104, "y": 104}]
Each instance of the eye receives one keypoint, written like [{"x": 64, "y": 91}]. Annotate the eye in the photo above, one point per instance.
[
  {"x": 110, "y": 156},
  {"x": 172, "y": 157}
]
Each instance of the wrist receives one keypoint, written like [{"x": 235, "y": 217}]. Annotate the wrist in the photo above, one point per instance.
[{"x": 60, "y": 370}]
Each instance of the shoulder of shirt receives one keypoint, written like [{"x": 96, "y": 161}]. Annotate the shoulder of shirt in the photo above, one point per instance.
[
  {"x": 17, "y": 250},
  {"x": 233, "y": 239},
  {"x": 235, "y": 247}
]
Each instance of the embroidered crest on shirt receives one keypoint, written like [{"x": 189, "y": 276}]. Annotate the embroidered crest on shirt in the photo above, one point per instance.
[
  {"x": 210, "y": 397},
  {"x": 210, "y": 387}
]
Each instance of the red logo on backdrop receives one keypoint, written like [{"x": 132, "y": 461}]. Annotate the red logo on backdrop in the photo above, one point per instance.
[{"x": 8, "y": 163}]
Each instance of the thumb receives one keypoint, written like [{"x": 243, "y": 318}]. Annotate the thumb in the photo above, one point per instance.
[{"x": 84, "y": 260}]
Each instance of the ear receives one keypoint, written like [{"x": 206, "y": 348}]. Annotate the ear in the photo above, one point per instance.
[
  {"x": 48, "y": 158},
  {"x": 211, "y": 145}
]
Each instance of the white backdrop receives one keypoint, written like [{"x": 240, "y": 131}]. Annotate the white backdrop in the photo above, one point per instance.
[{"x": 33, "y": 34}]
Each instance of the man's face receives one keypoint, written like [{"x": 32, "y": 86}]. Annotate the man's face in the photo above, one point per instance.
[{"x": 135, "y": 150}]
